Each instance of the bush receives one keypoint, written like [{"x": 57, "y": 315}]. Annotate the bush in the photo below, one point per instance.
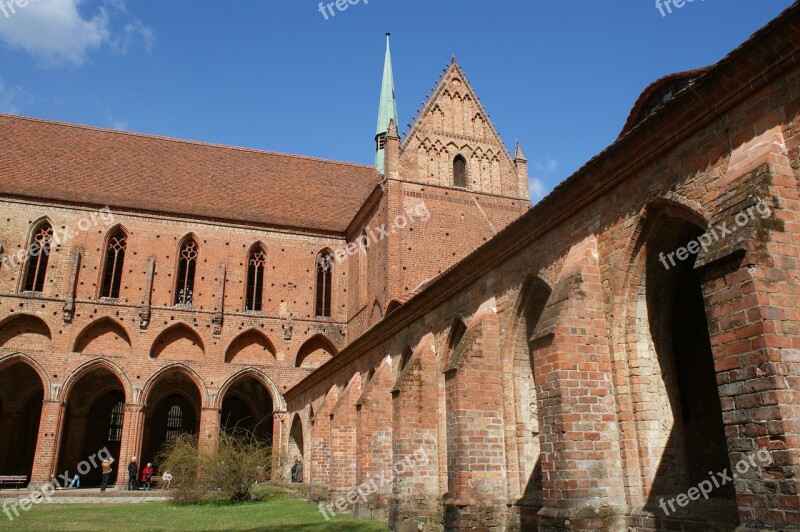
[{"x": 226, "y": 474}]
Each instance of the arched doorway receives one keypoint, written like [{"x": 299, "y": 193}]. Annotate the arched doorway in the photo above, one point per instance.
[
  {"x": 683, "y": 424},
  {"x": 92, "y": 422},
  {"x": 21, "y": 396},
  {"x": 247, "y": 406},
  {"x": 173, "y": 408}
]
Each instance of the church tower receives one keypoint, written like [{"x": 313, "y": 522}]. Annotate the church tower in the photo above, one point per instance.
[{"x": 387, "y": 110}]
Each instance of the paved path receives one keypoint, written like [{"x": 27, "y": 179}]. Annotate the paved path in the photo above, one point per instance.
[{"x": 102, "y": 500}]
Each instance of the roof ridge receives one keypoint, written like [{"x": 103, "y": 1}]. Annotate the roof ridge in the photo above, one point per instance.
[{"x": 179, "y": 140}]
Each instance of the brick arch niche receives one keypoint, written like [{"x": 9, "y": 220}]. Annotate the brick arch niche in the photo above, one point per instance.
[
  {"x": 21, "y": 396},
  {"x": 93, "y": 418},
  {"x": 174, "y": 403},
  {"x": 677, "y": 408}
]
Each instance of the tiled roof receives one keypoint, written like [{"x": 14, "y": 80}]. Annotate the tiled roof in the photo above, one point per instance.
[{"x": 66, "y": 162}]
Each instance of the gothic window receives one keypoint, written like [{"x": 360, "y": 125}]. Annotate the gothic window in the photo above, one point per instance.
[
  {"x": 115, "y": 259},
  {"x": 255, "y": 278},
  {"x": 184, "y": 289},
  {"x": 115, "y": 426},
  {"x": 39, "y": 253},
  {"x": 460, "y": 172},
  {"x": 174, "y": 423},
  {"x": 324, "y": 281}
]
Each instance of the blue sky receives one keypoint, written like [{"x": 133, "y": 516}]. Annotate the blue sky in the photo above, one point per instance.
[{"x": 559, "y": 75}]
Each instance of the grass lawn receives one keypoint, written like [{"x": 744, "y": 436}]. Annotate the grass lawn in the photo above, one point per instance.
[{"x": 276, "y": 513}]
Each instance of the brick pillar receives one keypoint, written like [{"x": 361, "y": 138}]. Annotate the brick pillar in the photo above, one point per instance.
[
  {"x": 476, "y": 468},
  {"x": 47, "y": 444},
  {"x": 343, "y": 441},
  {"x": 131, "y": 444},
  {"x": 374, "y": 460},
  {"x": 209, "y": 429},
  {"x": 751, "y": 295},
  {"x": 320, "y": 448},
  {"x": 415, "y": 497},
  {"x": 581, "y": 466},
  {"x": 280, "y": 443}
]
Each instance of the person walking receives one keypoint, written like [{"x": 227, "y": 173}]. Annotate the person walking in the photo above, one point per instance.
[
  {"x": 147, "y": 476},
  {"x": 133, "y": 469},
  {"x": 106, "y": 465}
]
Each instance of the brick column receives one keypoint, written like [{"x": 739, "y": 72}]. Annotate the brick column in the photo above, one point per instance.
[
  {"x": 582, "y": 479},
  {"x": 374, "y": 460},
  {"x": 318, "y": 464},
  {"x": 47, "y": 444},
  {"x": 343, "y": 440},
  {"x": 476, "y": 469},
  {"x": 209, "y": 429},
  {"x": 280, "y": 441},
  {"x": 751, "y": 294},
  {"x": 415, "y": 497},
  {"x": 131, "y": 444}
]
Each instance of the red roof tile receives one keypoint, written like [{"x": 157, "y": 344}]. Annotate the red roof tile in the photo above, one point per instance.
[{"x": 52, "y": 160}]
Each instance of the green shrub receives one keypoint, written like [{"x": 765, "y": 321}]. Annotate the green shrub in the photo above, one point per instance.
[{"x": 225, "y": 474}]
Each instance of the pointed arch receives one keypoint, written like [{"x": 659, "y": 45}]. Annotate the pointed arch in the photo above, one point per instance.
[
  {"x": 392, "y": 306},
  {"x": 324, "y": 281},
  {"x": 103, "y": 331},
  {"x": 251, "y": 347},
  {"x": 459, "y": 171},
  {"x": 115, "y": 246},
  {"x": 178, "y": 342},
  {"x": 181, "y": 368},
  {"x": 38, "y": 246},
  {"x": 279, "y": 403},
  {"x": 254, "y": 288},
  {"x": 188, "y": 255},
  {"x": 457, "y": 330},
  {"x": 315, "y": 352},
  {"x": 22, "y": 358},
  {"x": 25, "y": 332},
  {"x": 93, "y": 365},
  {"x": 296, "y": 439}
]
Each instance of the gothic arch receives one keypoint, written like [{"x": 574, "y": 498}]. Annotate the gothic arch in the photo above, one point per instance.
[
  {"x": 190, "y": 373},
  {"x": 314, "y": 352},
  {"x": 277, "y": 398},
  {"x": 83, "y": 341},
  {"x": 36, "y": 334},
  {"x": 182, "y": 333},
  {"x": 111, "y": 232},
  {"x": 9, "y": 360},
  {"x": 240, "y": 347},
  {"x": 92, "y": 365}
]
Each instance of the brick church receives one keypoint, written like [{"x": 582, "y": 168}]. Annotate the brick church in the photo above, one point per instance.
[{"x": 581, "y": 364}]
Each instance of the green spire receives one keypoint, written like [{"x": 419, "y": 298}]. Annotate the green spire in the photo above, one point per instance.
[{"x": 387, "y": 109}]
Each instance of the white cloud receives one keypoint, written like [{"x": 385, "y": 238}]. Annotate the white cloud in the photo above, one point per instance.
[
  {"x": 120, "y": 124},
  {"x": 13, "y": 99},
  {"x": 549, "y": 165},
  {"x": 537, "y": 188},
  {"x": 56, "y": 33},
  {"x": 543, "y": 171}
]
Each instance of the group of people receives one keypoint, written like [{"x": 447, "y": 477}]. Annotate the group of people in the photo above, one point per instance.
[{"x": 145, "y": 476}]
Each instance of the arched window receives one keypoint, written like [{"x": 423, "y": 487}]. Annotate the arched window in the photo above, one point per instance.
[
  {"x": 174, "y": 423},
  {"x": 39, "y": 253},
  {"x": 460, "y": 172},
  {"x": 115, "y": 425},
  {"x": 324, "y": 281},
  {"x": 184, "y": 288},
  {"x": 115, "y": 259},
  {"x": 255, "y": 278}
]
